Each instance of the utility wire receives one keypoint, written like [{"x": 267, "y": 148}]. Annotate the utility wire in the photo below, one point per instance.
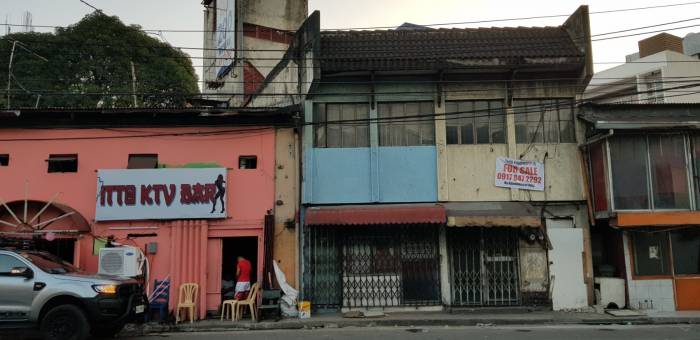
[{"x": 425, "y": 25}]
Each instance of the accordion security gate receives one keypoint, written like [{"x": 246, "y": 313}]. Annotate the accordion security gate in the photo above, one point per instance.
[
  {"x": 377, "y": 266},
  {"x": 484, "y": 266}
]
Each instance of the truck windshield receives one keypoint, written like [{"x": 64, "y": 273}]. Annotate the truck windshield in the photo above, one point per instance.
[{"x": 49, "y": 263}]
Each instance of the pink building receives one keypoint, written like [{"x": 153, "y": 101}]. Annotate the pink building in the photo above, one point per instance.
[{"x": 88, "y": 175}]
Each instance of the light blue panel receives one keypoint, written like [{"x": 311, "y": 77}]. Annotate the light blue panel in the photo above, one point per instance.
[
  {"x": 408, "y": 174},
  {"x": 340, "y": 175}
]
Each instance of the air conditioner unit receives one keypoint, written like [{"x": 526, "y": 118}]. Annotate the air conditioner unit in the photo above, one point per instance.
[{"x": 120, "y": 261}]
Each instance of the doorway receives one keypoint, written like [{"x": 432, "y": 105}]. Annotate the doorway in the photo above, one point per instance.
[
  {"x": 484, "y": 266},
  {"x": 233, "y": 247}
]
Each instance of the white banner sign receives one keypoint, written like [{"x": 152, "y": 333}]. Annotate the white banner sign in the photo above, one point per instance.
[
  {"x": 225, "y": 36},
  {"x": 144, "y": 194},
  {"x": 513, "y": 173}
]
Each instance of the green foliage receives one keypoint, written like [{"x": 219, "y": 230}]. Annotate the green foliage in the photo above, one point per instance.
[{"x": 89, "y": 65}]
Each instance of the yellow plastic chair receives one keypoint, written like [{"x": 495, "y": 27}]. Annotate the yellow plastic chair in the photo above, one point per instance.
[
  {"x": 187, "y": 300},
  {"x": 250, "y": 301},
  {"x": 228, "y": 309}
]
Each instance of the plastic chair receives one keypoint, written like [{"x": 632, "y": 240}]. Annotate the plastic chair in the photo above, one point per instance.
[
  {"x": 250, "y": 301},
  {"x": 228, "y": 309},
  {"x": 160, "y": 299},
  {"x": 187, "y": 300}
]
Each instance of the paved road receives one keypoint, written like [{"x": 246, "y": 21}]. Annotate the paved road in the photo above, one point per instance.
[{"x": 670, "y": 332}]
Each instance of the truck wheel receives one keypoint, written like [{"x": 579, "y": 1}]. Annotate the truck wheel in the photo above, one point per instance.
[{"x": 65, "y": 322}]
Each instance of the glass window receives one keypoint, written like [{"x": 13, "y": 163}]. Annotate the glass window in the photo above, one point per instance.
[
  {"x": 351, "y": 133},
  {"x": 8, "y": 262},
  {"x": 628, "y": 156},
  {"x": 669, "y": 172},
  {"x": 413, "y": 124},
  {"x": 544, "y": 121},
  {"x": 476, "y": 121},
  {"x": 650, "y": 254},
  {"x": 686, "y": 251}
]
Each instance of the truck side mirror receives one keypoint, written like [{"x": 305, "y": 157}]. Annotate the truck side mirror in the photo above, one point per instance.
[{"x": 22, "y": 271}]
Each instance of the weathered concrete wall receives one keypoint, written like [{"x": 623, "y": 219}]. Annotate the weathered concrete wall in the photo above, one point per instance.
[
  {"x": 471, "y": 172},
  {"x": 286, "y": 202},
  {"x": 280, "y": 14},
  {"x": 562, "y": 168}
]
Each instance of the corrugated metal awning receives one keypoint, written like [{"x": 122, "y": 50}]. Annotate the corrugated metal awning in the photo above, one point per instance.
[
  {"x": 492, "y": 214},
  {"x": 376, "y": 214}
]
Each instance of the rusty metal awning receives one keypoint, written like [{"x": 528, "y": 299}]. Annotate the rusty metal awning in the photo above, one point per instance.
[
  {"x": 492, "y": 214},
  {"x": 376, "y": 214}
]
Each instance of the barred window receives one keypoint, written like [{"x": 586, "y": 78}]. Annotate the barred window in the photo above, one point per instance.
[
  {"x": 475, "y": 122},
  {"x": 544, "y": 121},
  {"x": 352, "y": 132},
  {"x": 418, "y": 127}
]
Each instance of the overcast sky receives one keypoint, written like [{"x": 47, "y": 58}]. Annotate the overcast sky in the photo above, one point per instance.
[{"x": 187, "y": 15}]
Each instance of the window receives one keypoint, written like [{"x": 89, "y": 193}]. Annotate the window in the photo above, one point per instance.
[
  {"x": 653, "y": 86},
  {"x": 63, "y": 163},
  {"x": 8, "y": 262},
  {"x": 544, "y": 121},
  {"x": 419, "y": 130},
  {"x": 4, "y": 160},
  {"x": 341, "y": 135},
  {"x": 142, "y": 161},
  {"x": 650, "y": 254},
  {"x": 628, "y": 156},
  {"x": 669, "y": 173},
  {"x": 686, "y": 252},
  {"x": 475, "y": 122},
  {"x": 248, "y": 162},
  {"x": 649, "y": 172}
]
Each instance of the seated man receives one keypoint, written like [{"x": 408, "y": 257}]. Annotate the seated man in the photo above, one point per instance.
[{"x": 243, "y": 269}]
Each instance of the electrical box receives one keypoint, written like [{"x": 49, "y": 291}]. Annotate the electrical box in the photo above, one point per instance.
[
  {"x": 120, "y": 261},
  {"x": 151, "y": 248}
]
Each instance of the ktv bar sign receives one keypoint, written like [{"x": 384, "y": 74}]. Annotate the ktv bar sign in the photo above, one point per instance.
[
  {"x": 518, "y": 174},
  {"x": 160, "y": 194}
]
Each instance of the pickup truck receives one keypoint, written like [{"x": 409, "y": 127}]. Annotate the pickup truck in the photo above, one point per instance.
[{"x": 39, "y": 290}]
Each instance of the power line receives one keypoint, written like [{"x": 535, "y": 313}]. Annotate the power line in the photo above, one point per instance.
[{"x": 425, "y": 25}]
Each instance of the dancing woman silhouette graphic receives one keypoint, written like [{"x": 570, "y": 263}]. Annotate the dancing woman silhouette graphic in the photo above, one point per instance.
[{"x": 220, "y": 192}]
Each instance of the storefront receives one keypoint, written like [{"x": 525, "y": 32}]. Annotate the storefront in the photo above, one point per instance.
[
  {"x": 373, "y": 256},
  {"x": 192, "y": 199}
]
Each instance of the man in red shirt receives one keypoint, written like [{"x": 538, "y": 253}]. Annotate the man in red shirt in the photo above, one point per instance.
[{"x": 243, "y": 270}]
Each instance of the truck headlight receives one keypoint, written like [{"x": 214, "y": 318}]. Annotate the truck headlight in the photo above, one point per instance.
[{"x": 105, "y": 289}]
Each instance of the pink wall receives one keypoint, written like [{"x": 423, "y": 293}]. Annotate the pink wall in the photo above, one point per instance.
[{"x": 250, "y": 192}]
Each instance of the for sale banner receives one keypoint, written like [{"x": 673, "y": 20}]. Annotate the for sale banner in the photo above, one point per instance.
[
  {"x": 144, "y": 194},
  {"x": 519, "y": 174}
]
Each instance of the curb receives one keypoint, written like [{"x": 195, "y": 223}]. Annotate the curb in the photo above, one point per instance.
[{"x": 146, "y": 329}]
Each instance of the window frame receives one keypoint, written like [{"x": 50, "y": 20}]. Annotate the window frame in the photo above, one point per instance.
[
  {"x": 324, "y": 124},
  {"x": 142, "y": 155},
  {"x": 421, "y": 125},
  {"x": 4, "y": 159},
  {"x": 633, "y": 258},
  {"x": 542, "y": 121},
  {"x": 459, "y": 117},
  {"x": 56, "y": 158},
  {"x": 690, "y": 174}
]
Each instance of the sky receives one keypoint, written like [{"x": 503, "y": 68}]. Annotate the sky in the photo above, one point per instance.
[{"x": 187, "y": 15}]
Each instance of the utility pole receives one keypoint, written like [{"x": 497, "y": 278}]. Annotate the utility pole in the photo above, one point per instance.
[
  {"x": 133, "y": 83},
  {"x": 9, "y": 73},
  {"x": 15, "y": 44}
]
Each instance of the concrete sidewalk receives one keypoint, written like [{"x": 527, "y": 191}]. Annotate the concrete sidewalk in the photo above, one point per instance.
[{"x": 461, "y": 318}]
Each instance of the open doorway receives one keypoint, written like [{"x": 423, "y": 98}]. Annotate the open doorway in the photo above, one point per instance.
[
  {"x": 64, "y": 248},
  {"x": 239, "y": 246}
]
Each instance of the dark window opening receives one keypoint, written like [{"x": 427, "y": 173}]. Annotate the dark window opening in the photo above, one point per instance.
[
  {"x": 651, "y": 256},
  {"x": 63, "y": 163},
  {"x": 686, "y": 252},
  {"x": 143, "y": 161},
  {"x": 4, "y": 160},
  {"x": 248, "y": 162}
]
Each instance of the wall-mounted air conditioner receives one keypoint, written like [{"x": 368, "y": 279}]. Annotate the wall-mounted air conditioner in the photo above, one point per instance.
[{"x": 120, "y": 261}]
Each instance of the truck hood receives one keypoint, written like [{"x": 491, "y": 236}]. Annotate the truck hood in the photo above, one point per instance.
[{"x": 94, "y": 278}]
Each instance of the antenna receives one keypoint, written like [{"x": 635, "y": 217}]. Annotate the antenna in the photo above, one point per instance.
[{"x": 15, "y": 44}]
